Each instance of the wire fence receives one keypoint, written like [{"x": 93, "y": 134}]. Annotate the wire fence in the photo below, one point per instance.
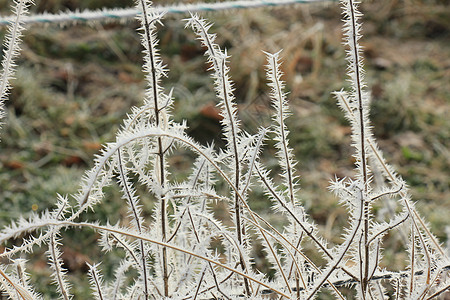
[{"x": 108, "y": 15}]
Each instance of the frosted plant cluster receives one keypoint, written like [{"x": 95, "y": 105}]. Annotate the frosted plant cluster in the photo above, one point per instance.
[{"x": 171, "y": 255}]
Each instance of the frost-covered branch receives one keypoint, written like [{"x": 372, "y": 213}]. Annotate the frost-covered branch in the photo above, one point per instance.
[{"x": 11, "y": 51}]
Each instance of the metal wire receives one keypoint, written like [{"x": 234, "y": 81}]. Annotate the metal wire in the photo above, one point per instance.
[{"x": 105, "y": 15}]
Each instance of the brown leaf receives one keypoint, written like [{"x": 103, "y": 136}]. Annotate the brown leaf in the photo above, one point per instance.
[
  {"x": 74, "y": 261},
  {"x": 211, "y": 111},
  {"x": 14, "y": 164},
  {"x": 72, "y": 160},
  {"x": 89, "y": 145}
]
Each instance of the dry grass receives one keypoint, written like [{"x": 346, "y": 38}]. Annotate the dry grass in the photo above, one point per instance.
[{"x": 90, "y": 76}]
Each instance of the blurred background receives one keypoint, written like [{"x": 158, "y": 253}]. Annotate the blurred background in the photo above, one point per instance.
[{"x": 76, "y": 83}]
